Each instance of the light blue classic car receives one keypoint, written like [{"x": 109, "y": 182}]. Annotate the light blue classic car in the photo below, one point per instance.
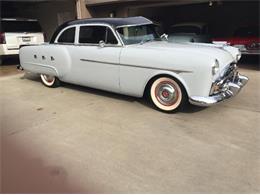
[{"x": 127, "y": 56}]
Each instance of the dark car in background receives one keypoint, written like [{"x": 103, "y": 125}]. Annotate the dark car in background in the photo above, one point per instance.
[
  {"x": 247, "y": 39},
  {"x": 189, "y": 32}
]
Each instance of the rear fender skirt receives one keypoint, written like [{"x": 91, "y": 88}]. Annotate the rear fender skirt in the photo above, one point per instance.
[{"x": 41, "y": 69}]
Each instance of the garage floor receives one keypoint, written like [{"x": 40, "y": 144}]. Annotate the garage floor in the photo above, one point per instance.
[{"x": 76, "y": 139}]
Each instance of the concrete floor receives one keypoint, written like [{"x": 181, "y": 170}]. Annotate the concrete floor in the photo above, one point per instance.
[{"x": 76, "y": 139}]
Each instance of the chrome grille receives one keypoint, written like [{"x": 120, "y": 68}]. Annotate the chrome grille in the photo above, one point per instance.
[{"x": 228, "y": 74}]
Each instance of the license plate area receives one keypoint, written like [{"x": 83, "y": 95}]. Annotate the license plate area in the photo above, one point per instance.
[{"x": 26, "y": 39}]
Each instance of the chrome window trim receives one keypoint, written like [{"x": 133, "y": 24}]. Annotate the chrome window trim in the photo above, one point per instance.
[
  {"x": 60, "y": 33},
  {"x": 77, "y": 35},
  {"x": 119, "y": 41},
  {"x": 114, "y": 31},
  {"x": 94, "y": 44},
  {"x": 64, "y": 43}
]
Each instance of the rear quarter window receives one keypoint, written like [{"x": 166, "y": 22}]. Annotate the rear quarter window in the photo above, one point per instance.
[{"x": 67, "y": 36}]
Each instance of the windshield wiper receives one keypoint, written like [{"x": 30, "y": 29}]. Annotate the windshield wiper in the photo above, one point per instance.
[{"x": 145, "y": 41}]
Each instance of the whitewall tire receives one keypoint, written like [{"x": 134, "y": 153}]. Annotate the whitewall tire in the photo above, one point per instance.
[
  {"x": 50, "y": 81},
  {"x": 167, "y": 94}
]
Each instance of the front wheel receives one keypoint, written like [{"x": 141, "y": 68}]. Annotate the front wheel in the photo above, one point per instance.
[
  {"x": 167, "y": 94},
  {"x": 50, "y": 81}
]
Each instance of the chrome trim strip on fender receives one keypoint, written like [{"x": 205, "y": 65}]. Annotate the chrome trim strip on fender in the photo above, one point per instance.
[{"x": 136, "y": 66}]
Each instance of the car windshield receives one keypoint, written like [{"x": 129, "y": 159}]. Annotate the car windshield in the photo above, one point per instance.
[
  {"x": 184, "y": 29},
  {"x": 20, "y": 26},
  {"x": 138, "y": 34},
  {"x": 247, "y": 32}
]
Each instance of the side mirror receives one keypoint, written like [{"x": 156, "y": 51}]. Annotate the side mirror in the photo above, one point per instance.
[
  {"x": 101, "y": 43},
  {"x": 164, "y": 37}
]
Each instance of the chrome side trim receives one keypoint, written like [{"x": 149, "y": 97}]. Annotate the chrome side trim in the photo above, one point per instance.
[
  {"x": 233, "y": 88},
  {"x": 97, "y": 45},
  {"x": 135, "y": 66}
]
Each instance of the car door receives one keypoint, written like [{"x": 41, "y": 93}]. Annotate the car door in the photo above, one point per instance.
[{"x": 95, "y": 57}]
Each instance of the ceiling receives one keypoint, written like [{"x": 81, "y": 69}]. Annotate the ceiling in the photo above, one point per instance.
[
  {"x": 146, "y": 2},
  {"x": 29, "y": 0}
]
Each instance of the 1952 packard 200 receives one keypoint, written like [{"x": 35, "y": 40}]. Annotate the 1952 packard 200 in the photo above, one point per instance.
[{"x": 127, "y": 56}]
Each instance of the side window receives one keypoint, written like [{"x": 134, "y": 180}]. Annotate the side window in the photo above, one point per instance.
[
  {"x": 111, "y": 39},
  {"x": 92, "y": 34},
  {"x": 67, "y": 36}
]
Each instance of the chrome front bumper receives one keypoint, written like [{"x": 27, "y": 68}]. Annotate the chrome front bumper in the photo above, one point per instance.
[{"x": 232, "y": 89}]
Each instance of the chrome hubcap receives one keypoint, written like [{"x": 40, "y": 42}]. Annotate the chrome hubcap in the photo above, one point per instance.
[
  {"x": 48, "y": 78},
  {"x": 166, "y": 94}
]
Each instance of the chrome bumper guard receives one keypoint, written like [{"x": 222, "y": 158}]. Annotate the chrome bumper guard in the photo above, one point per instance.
[{"x": 232, "y": 89}]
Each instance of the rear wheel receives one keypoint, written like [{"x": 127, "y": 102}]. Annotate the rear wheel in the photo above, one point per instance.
[
  {"x": 167, "y": 94},
  {"x": 50, "y": 81}
]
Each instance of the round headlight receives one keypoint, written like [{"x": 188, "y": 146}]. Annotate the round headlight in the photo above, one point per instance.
[
  {"x": 238, "y": 57},
  {"x": 215, "y": 67}
]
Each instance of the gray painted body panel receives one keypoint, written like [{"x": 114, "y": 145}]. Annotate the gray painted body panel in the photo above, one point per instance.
[{"x": 128, "y": 69}]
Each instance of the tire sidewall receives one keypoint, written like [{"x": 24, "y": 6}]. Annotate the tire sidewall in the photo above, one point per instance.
[
  {"x": 54, "y": 83},
  {"x": 180, "y": 91}
]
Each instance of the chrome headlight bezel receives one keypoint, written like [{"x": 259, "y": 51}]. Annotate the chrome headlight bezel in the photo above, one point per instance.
[
  {"x": 238, "y": 56},
  {"x": 215, "y": 67}
]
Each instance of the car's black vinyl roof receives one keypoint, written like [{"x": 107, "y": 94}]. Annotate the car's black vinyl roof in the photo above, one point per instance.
[{"x": 114, "y": 22}]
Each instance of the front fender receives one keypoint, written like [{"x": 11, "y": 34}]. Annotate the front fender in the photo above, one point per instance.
[
  {"x": 177, "y": 76},
  {"x": 197, "y": 82}
]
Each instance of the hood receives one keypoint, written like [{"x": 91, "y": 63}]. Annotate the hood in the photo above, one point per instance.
[
  {"x": 182, "y": 38},
  {"x": 236, "y": 54},
  {"x": 224, "y": 54}
]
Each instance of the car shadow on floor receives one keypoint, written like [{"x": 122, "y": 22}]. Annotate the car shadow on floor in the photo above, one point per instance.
[{"x": 144, "y": 100}]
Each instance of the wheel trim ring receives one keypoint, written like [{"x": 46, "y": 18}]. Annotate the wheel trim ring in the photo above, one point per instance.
[
  {"x": 157, "y": 103},
  {"x": 157, "y": 91},
  {"x": 46, "y": 80}
]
